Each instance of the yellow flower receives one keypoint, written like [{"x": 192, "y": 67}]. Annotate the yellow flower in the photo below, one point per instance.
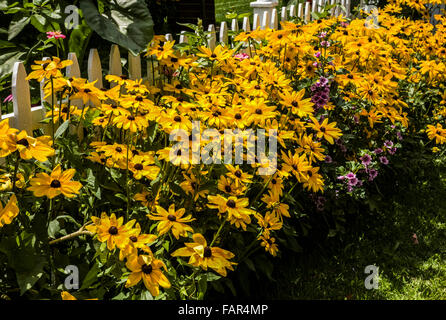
[
  {"x": 5, "y": 132},
  {"x": 29, "y": 147},
  {"x": 111, "y": 230},
  {"x": 201, "y": 255},
  {"x": 234, "y": 207},
  {"x": 325, "y": 129},
  {"x": 172, "y": 220},
  {"x": 148, "y": 269},
  {"x": 48, "y": 69},
  {"x": 55, "y": 184},
  {"x": 269, "y": 244},
  {"x": 9, "y": 212}
]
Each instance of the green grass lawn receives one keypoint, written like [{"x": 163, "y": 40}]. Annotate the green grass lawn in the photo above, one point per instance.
[{"x": 335, "y": 269}]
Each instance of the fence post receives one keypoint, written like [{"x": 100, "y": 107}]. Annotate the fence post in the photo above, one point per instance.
[
  {"x": 211, "y": 37},
  {"x": 265, "y": 21},
  {"x": 262, "y": 6},
  {"x": 275, "y": 20},
  {"x": 95, "y": 68},
  {"x": 134, "y": 67},
  {"x": 224, "y": 32},
  {"x": 21, "y": 99},
  {"x": 114, "y": 64},
  {"x": 283, "y": 15}
]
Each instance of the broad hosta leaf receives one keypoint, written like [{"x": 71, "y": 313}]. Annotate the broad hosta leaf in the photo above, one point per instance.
[
  {"x": 127, "y": 23},
  {"x": 18, "y": 22},
  {"x": 7, "y": 60}
]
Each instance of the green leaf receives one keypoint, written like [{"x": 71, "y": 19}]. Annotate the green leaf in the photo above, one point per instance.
[
  {"x": 53, "y": 228},
  {"x": 145, "y": 295},
  {"x": 38, "y": 22},
  {"x": 91, "y": 277},
  {"x": 127, "y": 23},
  {"x": 19, "y": 21},
  {"x": 63, "y": 127}
]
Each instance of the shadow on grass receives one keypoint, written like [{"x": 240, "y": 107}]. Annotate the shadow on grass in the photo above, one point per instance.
[{"x": 334, "y": 269}]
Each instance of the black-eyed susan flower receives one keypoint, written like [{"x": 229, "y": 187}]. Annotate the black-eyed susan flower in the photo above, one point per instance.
[
  {"x": 48, "y": 68},
  {"x": 149, "y": 270},
  {"x": 9, "y": 212},
  {"x": 204, "y": 256},
  {"x": 59, "y": 182},
  {"x": 29, "y": 147},
  {"x": 111, "y": 230},
  {"x": 5, "y": 132},
  {"x": 233, "y": 206},
  {"x": 172, "y": 220},
  {"x": 326, "y": 130}
]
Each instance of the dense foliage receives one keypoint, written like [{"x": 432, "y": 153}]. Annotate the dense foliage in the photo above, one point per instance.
[{"x": 98, "y": 189}]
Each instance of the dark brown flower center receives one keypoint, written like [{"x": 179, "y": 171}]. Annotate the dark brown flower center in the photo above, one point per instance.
[
  {"x": 131, "y": 118},
  {"x": 171, "y": 217},
  {"x": 118, "y": 149},
  {"x": 113, "y": 230},
  {"x": 139, "y": 166},
  {"x": 207, "y": 252},
  {"x": 23, "y": 142},
  {"x": 294, "y": 103},
  {"x": 213, "y": 55},
  {"x": 238, "y": 116},
  {"x": 238, "y": 173},
  {"x": 173, "y": 59},
  {"x": 230, "y": 203},
  {"x": 133, "y": 239},
  {"x": 177, "y": 119},
  {"x": 259, "y": 111},
  {"x": 228, "y": 188},
  {"x": 87, "y": 90},
  {"x": 147, "y": 269},
  {"x": 55, "y": 184},
  {"x": 138, "y": 98}
]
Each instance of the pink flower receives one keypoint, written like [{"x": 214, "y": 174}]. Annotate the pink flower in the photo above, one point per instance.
[
  {"x": 378, "y": 151},
  {"x": 317, "y": 54},
  {"x": 366, "y": 159},
  {"x": 388, "y": 144},
  {"x": 241, "y": 56},
  {"x": 55, "y": 35},
  {"x": 8, "y": 99},
  {"x": 350, "y": 176},
  {"x": 383, "y": 160}
]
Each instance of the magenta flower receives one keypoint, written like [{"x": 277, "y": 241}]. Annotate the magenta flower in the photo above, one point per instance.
[
  {"x": 366, "y": 159},
  {"x": 328, "y": 159},
  {"x": 388, "y": 144},
  {"x": 373, "y": 173},
  {"x": 241, "y": 56},
  {"x": 399, "y": 135},
  {"x": 317, "y": 54},
  {"x": 350, "y": 175},
  {"x": 377, "y": 151},
  {"x": 384, "y": 160},
  {"x": 353, "y": 181},
  {"x": 55, "y": 35},
  {"x": 8, "y": 99}
]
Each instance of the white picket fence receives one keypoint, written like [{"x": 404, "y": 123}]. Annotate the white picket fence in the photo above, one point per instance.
[{"x": 25, "y": 117}]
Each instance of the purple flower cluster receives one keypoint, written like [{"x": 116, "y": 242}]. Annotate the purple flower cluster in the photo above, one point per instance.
[
  {"x": 352, "y": 181},
  {"x": 321, "y": 92}
]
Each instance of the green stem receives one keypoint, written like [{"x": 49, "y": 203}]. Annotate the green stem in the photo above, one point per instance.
[
  {"x": 218, "y": 232},
  {"x": 16, "y": 168}
]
